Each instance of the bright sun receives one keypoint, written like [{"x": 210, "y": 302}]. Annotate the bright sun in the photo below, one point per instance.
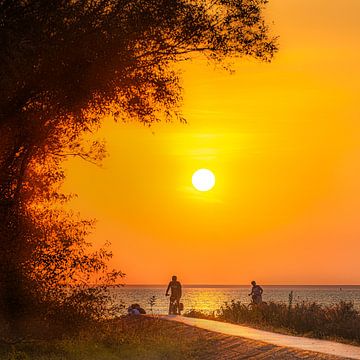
[{"x": 203, "y": 180}]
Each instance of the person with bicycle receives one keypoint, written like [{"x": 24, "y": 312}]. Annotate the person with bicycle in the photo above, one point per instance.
[
  {"x": 256, "y": 293},
  {"x": 175, "y": 288}
]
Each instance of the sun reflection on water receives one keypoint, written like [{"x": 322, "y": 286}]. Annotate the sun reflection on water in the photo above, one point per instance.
[{"x": 209, "y": 299}]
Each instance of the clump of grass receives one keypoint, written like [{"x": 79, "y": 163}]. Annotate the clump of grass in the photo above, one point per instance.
[
  {"x": 130, "y": 338},
  {"x": 340, "y": 321},
  {"x": 200, "y": 314}
]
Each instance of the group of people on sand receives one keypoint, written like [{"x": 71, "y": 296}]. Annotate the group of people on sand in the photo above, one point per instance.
[{"x": 175, "y": 289}]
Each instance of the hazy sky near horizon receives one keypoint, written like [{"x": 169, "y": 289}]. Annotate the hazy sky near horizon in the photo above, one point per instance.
[{"x": 283, "y": 140}]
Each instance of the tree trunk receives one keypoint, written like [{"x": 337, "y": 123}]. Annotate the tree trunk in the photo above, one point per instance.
[{"x": 12, "y": 291}]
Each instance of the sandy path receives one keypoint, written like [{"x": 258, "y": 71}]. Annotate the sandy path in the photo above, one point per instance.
[{"x": 248, "y": 343}]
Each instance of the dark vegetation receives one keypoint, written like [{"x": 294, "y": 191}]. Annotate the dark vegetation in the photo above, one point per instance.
[
  {"x": 128, "y": 338},
  {"x": 339, "y": 321},
  {"x": 64, "y": 64}
]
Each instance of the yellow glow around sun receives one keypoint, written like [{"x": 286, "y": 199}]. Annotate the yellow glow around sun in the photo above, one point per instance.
[{"x": 203, "y": 180}]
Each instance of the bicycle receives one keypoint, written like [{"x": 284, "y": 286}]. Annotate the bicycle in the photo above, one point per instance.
[
  {"x": 175, "y": 307},
  {"x": 253, "y": 305}
]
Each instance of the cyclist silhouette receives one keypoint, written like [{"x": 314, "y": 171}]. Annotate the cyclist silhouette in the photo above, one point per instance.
[
  {"x": 175, "y": 296},
  {"x": 256, "y": 293}
]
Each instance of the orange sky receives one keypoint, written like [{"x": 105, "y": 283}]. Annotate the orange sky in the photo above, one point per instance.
[{"x": 283, "y": 141}]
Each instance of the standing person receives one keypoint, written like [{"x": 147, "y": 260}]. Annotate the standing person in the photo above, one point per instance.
[
  {"x": 175, "y": 296},
  {"x": 256, "y": 293}
]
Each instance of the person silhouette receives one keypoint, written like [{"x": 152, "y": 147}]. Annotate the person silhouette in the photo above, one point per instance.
[
  {"x": 136, "y": 309},
  {"x": 256, "y": 293},
  {"x": 175, "y": 296}
]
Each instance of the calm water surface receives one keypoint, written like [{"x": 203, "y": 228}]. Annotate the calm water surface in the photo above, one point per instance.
[{"x": 210, "y": 298}]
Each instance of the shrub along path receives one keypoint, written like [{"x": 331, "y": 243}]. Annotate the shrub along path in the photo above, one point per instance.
[{"x": 242, "y": 342}]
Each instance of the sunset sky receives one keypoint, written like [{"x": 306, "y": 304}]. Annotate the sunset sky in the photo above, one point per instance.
[{"x": 283, "y": 140}]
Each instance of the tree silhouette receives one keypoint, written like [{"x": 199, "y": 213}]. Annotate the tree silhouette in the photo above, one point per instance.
[{"x": 63, "y": 65}]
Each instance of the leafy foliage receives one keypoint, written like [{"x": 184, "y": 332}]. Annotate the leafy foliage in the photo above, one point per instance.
[
  {"x": 62, "y": 283},
  {"x": 63, "y": 66}
]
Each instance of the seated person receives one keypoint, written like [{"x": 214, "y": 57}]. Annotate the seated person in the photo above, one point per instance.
[{"x": 136, "y": 309}]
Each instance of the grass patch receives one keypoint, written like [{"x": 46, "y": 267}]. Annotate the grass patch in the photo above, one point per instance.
[
  {"x": 129, "y": 338},
  {"x": 339, "y": 322}
]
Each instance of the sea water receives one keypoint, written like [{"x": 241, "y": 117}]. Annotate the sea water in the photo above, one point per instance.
[{"x": 209, "y": 298}]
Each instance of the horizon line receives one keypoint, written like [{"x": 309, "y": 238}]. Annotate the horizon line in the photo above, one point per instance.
[{"x": 237, "y": 285}]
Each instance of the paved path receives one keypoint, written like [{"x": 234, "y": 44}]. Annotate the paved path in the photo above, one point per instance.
[{"x": 295, "y": 342}]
